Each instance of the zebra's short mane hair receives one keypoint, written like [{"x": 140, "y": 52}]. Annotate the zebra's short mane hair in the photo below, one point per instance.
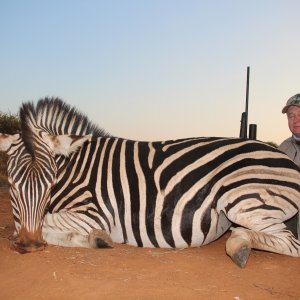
[
  {"x": 55, "y": 117},
  {"x": 27, "y": 114}
]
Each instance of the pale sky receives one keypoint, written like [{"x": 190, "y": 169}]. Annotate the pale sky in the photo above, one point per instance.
[{"x": 155, "y": 70}]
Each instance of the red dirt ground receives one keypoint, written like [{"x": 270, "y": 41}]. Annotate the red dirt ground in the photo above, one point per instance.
[{"x": 126, "y": 272}]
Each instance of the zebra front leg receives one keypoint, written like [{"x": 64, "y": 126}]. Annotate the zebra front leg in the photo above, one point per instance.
[
  {"x": 242, "y": 240},
  {"x": 63, "y": 229},
  {"x": 95, "y": 239},
  {"x": 99, "y": 239}
]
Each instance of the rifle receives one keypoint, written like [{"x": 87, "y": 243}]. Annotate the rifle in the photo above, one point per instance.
[{"x": 244, "y": 118}]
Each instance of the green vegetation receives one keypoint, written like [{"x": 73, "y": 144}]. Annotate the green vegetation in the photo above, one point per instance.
[{"x": 9, "y": 124}]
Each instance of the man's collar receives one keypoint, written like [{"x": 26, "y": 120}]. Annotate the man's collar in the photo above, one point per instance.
[{"x": 296, "y": 140}]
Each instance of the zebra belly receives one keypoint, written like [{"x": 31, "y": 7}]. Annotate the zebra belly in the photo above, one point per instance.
[{"x": 219, "y": 224}]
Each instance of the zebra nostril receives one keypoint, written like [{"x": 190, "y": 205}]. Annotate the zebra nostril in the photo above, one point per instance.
[
  {"x": 19, "y": 247},
  {"x": 27, "y": 248}
]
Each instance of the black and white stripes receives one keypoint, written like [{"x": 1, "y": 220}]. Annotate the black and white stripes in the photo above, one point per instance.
[
  {"x": 181, "y": 193},
  {"x": 171, "y": 194}
]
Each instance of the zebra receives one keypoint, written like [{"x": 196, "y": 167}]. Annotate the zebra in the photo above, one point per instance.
[{"x": 75, "y": 185}]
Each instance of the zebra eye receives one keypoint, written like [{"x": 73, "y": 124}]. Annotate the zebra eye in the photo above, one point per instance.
[
  {"x": 46, "y": 209},
  {"x": 10, "y": 181},
  {"x": 13, "y": 184}
]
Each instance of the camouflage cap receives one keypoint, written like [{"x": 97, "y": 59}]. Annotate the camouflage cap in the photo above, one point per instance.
[{"x": 293, "y": 101}]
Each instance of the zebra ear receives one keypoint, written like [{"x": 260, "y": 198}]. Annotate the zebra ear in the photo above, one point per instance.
[
  {"x": 66, "y": 144},
  {"x": 6, "y": 140}
]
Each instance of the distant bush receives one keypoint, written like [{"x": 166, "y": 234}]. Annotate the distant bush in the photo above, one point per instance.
[{"x": 10, "y": 124}]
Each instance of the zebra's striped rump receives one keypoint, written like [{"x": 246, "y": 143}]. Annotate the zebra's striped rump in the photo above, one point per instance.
[{"x": 181, "y": 193}]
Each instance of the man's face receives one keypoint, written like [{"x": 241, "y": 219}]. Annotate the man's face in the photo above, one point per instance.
[{"x": 293, "y": 115}]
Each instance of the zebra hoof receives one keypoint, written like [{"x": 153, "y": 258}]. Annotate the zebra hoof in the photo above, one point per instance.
[
  {"x": 100, "y": 239},
  {"x": 241, "y": 256},
  {"x": 238, "y": 247}
]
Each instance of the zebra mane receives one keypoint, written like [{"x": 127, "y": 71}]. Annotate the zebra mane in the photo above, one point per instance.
[
  {"x": 56, "y": 117},
  {"x": 27, "y": 117}
]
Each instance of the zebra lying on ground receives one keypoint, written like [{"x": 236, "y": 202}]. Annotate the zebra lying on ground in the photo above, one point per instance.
[{"x": 75, "y": 185}]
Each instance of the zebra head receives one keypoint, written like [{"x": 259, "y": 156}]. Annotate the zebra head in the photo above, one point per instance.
[{"x": 32, "y": 173}]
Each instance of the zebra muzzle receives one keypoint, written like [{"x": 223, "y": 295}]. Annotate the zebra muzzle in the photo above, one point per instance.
[
  {"x": 27, "y": 242},
  {"x": 32, "y": 247}
]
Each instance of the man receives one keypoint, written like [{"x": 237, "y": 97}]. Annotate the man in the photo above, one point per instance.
[{"x": 291, "y": 146}]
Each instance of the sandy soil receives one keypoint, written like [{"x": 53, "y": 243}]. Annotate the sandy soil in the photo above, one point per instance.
[{"x": 133, "y": 273}]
